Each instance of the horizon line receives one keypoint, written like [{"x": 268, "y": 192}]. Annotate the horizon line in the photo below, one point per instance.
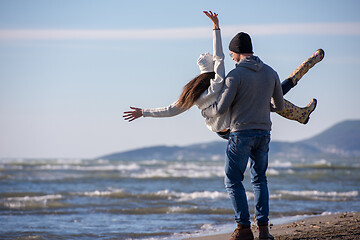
[{"x": 314, "y": 29}]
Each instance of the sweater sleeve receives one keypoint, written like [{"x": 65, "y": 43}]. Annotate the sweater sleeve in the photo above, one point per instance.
[
  {"x": 169, "y": 111},
  {"x": 219, "y": 67},
  {"x": 216, "y": 84},
  {"x": 277, "y": 100}
]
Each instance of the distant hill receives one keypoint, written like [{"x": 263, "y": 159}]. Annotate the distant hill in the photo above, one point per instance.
[
  {"x": 210, "y": 150},
  {"x": 343, "y": 139}
]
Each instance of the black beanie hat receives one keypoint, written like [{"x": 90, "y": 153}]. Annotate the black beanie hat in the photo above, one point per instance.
[{"x": 241, "y": 43}]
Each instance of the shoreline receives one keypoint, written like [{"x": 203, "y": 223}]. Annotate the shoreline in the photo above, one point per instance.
[{"x": 332, "y": 226}]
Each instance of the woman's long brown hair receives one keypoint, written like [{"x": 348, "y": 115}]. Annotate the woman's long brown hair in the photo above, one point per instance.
[{"x": 193, "y": 90}]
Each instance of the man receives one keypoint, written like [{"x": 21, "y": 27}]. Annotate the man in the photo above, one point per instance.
[{"x": 250, "y": 92}]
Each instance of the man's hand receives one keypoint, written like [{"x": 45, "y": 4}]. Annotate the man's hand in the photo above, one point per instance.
[{"x": 132, "y": 115}]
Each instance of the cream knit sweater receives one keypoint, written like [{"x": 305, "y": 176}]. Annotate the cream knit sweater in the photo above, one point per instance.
[{"x": 210, "y": 96}]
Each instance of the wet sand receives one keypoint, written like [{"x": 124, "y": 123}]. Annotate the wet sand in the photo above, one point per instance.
[{"x": 334, "y": 226}]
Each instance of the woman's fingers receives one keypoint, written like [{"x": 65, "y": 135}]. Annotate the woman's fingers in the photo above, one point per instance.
[
  {"x": 129, "y": 118},
  {"x": 135, "y": 108},
  {"x": 211, "y": 15}
]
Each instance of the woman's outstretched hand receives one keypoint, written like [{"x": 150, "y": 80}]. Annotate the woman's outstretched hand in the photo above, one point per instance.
[
  {"x": 214, "y": 18},
  {"x": 132, "y": 115}
]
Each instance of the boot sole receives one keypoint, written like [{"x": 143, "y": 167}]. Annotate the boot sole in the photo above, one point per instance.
[{"x": 308, "y": 118}]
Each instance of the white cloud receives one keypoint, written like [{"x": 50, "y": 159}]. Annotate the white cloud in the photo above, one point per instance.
[
  {"x": 339, "y": 28},
  {"x": 350, "y": 28}
]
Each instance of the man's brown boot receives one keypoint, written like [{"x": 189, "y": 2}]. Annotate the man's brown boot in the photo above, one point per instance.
[
  {"x": 264, "y": 233},
  {"x": 242, "y": 233}
]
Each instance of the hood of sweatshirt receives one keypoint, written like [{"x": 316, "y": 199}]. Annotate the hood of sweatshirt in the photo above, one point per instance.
[{"x": 251, "y": 62}]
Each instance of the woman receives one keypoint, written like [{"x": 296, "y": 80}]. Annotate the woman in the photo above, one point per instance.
[{"x": 204, "y": 89}]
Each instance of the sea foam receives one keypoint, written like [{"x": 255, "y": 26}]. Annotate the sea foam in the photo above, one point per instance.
[{"x": 319, "y": 195}]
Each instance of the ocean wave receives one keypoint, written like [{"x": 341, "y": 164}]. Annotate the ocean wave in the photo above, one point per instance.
[
  {"x": 170, "y": 210},
  {"x": 323, "y": 163},
  {"x": 147, "y": 169},
  {"x": 35, "y": 162},
  {"x": 111, "y": 167},
  {"x": 33, "y": 202},
  {"x": 125, "y": 169},
  {"x": 181, "y": 196},
  {"x": 280, "y": 164},
  {"x": 36, "y": 198},
  {"x": 326, "y": 164},
  {"x": 316, "y": 195},
  {"x": 272, "y": 172},
  {"x": 60, "y": 170},
  {"x": 180, "y": 170},
  {"x": 196, "y": 210},
  {"x": 162, "y": 194},
  {"x": 153, "y": 162},
  {"x": 114, "y": 193},
  {"x": 67, "y": 164}
]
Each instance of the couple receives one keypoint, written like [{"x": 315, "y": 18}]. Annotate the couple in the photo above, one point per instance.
[{"x": 237, "y": 107}]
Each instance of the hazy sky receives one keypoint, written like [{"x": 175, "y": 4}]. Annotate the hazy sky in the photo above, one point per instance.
[{"x": 70, "y": 68}]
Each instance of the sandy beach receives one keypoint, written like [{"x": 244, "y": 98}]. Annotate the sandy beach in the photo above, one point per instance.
[{"x": 334, "y": 226}]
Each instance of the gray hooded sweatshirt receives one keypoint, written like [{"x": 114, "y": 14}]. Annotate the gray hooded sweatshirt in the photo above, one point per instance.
[{"x": 251, "y": 91}]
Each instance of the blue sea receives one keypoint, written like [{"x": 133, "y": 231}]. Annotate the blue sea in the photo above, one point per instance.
[{"x": 157, "y": 199}]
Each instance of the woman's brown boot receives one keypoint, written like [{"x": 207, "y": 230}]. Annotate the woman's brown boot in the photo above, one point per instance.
[
  {"x": 293, "y": 112},
  {"x": 296, "y": 75}
]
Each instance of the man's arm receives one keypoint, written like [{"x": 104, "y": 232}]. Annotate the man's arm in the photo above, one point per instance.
[
  {"x": 224, "y": 101},
  {"x": 277, "y": 103}
]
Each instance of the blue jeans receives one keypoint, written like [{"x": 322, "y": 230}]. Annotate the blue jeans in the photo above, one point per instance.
[{"x": 242, "y": 145}]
